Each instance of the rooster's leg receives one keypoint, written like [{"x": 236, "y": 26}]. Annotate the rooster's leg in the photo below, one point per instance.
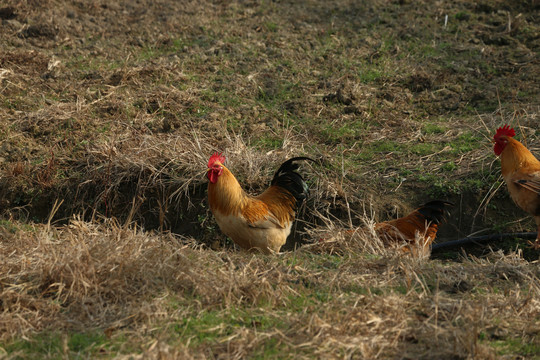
[{"x": 536, "y": 244}]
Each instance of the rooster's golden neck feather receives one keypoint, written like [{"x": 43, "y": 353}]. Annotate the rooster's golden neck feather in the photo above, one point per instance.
[
  {"x": 515, "y": 156},
  {"x": 226, "y": 195}
]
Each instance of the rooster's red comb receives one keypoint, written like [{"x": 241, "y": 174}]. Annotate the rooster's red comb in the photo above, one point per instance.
[
  {"x": 505, "y": 130},
  {"x": 216, "y": 157}
]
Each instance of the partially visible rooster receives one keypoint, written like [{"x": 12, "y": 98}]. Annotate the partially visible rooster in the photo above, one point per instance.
[
  {"x": 256, "y": 222},
  {"x": 421, "y": 224},
  {"x": 521, "y": 172}
]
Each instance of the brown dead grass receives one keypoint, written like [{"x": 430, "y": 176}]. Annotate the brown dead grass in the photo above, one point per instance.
[{"x": 125, "y": 282}]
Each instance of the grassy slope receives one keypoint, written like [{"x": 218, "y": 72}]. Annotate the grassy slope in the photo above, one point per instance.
[{"x": 114, "y": 108}]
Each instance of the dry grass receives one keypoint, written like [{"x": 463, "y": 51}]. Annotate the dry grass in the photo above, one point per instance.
[{"x": 163, "y": 295}]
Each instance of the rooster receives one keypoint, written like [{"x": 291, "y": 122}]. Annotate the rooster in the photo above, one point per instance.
[
  {"x": 521, "y": 172},
  {"x": 421, "y": 224},
  {"x": 256, "y": 222}
]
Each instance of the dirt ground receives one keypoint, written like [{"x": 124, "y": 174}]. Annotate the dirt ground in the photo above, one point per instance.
[{"x": 94, "y": 94}]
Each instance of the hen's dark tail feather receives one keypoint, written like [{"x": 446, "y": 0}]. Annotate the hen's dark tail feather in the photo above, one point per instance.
[
  {"x": 435, "y": 211},
  {"x": 289, "y": 179}
]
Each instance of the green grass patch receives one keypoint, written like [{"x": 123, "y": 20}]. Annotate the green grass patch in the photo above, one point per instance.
[
  {"x": 56, "y": 345},
  {"x": 385, "y": 146},
  {"x": 276, "y": 91},
  {"x": 271, "y": 26},
  {"x": 209, "y": 326},
  {"x": 268, "y": 142},
  {"x": 9, "y": 226},
  {"x": 367, "y": 76},
  {"x": 338, "y": 135},
  {"x": 41, "y": 345},
  {"x": 224, "y": 97},
  {"x": 466, "y": 142},
  {"x": 424, "y": 148},
  {"x": 433, "y": 129},
  {"x": 449, "y": 167},
  {"x": 516, "y": 346}
]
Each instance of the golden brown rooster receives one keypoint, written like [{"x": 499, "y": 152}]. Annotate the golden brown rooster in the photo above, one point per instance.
[
  {"x": 521, "y": 172},
  {"x": 256, "y": 222},
  {"x": 422, "y": 224}
]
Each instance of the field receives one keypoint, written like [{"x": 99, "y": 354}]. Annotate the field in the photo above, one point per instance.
[{"x": 109, "y": 111}]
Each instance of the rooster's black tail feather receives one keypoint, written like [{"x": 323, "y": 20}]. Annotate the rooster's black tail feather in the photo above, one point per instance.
[
  {"x": 289, "y": 179},
  {"x": 435, "y": 211}
]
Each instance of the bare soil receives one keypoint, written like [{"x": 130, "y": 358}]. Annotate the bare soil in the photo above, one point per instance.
[{"x": 95, "y": 93}]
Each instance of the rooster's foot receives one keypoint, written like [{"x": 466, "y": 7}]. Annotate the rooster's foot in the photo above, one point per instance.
[{"x": 535, "y": 245}]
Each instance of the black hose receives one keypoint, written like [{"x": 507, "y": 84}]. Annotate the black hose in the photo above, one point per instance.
[{"x": 481, "y": 239}]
